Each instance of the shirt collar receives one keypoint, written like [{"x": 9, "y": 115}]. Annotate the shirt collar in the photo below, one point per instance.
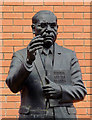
[{"x": 47, "y": 51}]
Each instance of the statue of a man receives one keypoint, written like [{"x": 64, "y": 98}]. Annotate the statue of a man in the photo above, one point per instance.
[{"x": 47, "y": 75}]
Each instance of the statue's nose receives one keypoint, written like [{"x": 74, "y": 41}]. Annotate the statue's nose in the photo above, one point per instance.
[{"x": 48, "y": 29}]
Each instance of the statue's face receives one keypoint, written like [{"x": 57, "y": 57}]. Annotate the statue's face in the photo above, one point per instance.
[{"x": 46, "y": 26}]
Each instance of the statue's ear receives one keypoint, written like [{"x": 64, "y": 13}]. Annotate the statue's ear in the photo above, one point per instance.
[{"x": 33, "y": 28}]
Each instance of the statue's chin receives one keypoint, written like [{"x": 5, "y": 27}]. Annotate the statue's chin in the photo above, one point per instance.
[{"x": 47, "y": 43}]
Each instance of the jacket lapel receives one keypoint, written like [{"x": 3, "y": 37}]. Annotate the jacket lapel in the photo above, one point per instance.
[
  {"x": 40, "y": 69},
  {"x": 57, "y": 57}
]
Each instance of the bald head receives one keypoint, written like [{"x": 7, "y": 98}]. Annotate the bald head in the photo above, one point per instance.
[{"x": 40, "y": 13}]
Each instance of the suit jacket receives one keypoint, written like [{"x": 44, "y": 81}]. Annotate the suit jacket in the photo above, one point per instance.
[{"x": 26, "y": 79}]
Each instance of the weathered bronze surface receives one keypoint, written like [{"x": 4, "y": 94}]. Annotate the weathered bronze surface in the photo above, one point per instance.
[{"x": 47, "y": 75}]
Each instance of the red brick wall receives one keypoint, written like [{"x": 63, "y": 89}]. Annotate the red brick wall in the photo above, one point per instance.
[{"x": 74, "y": 33}]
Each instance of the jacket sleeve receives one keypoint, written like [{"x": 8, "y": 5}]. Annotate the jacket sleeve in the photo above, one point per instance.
[
  {"x": 75, "y": 91},
  {"x": 19, "y": 71}
]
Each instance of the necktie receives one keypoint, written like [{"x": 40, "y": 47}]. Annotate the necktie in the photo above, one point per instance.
[{"x": 48, "y": 66}]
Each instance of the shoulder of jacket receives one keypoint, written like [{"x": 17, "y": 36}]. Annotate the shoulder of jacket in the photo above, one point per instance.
[
  {"x": 65, "y": 50},
  {"x": 21, "y": 52}
]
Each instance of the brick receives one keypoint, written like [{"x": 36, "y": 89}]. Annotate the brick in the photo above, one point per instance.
[
  {"x": 73, "y": 42},
  {"x": 23, "y": 35},
  {"x": 60, "y": 28},
  {"x": 0, "y": 42},
  {"x": 7, "y": 91},
  {"x": 89, "y": 84},
  {"x": 1, "y": 2},
  {"x": 89, "y": 92},
  {"x": 8, "y": 116},
  {"x": 31, "y": 2},
  {"x": 7, "y": 49},
  {"x": 23, "y": 8},
  {"x": 85, "y": 99},
  {"x": 88, "y": 69},
  {"x": 3, "y": 77},
  {"x": 6, "y": 8},
  {"x": 82, "y": 8},
  {"x": 2, "y": 98},
  {"x": 27, "y": 28},
  {"x": 73, "y": 28},
  {"x": 1, "y": 56},
  {"x": 6, "y": 69},
  {"x": 0, "y": 28},
  {"x": 13, "y": 42},
  {"x": 36, "y": 8},
  {"x": 65, "y": 35},
  {"x": 81, "y": 111},
  {"x": 82, "y": 68},
  {"x": 12, "y": 112},
  {"x": 88, "y": 49},
  {"x": 13, "y": 98},
  {"x": 86, "y": 76},
  {"x": 6, "y": 63},
  {"x": 59, "y": 42},
  {"x": 3, "y": 112},
  {"x": 82, "y": 35},
  {"x": 18, "y": 48},
  {"x": 6, "y": 36},
  {"x": 53, "y": 2},
  {"x": 82, "y": 49},
  {"x": 1, "y": 85},
  {"x": 87, "y": 15},
  {"x": 12, "y": 28},
  {"x": 73, "y": 15},
  {"x": 66, "y": 2},
  {"x": 87, "y": 28},
  {"x": 59, "y": 15},
  {"x": 26, "y": 42},
  {"x": 14, "y": 2},
  {"x": 0, "y": 15},
  {"x": 70, "y": 47},
  {"x": 28, "y": 15},
  {"x": 8, "y": 56},
  {"x": 90, "y": 111},
  {"x": 88, "y": 56},
  {"x": 64, "y": 22},
  {"x": 84, "y": 117},
  {"x": 8, "y": 105},
  {"x": 63, "y": 9},
  {"x": 86, "y": 2},
  {"x": 89, "y": 97},
  {"x": 12, "y": 15},
  {"x": 81, "y": 22},
  {"x": 18, "y": 105},
  {"x": 1, "y": 70},
  {"x": 83, "y": 104},
  {"x": 22, "y": 22},
  {"x": 80, "y": 55},
  {"x": 7, "y": 22},
  {"x": 85, "y": 62}
]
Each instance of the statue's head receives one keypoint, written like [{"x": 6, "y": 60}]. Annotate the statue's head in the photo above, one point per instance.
[{"x": 44, "y": 23}]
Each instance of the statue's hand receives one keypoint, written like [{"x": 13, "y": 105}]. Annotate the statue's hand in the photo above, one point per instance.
[
  {"x": 51, "y": 90},
  {"x": 35, "y": 44}
]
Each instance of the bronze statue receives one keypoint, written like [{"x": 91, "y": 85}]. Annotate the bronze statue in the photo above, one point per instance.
[{"x": 47, "y": 75}]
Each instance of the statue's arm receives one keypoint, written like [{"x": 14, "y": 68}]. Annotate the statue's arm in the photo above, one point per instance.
[
  {"x": 18, "y": 73},
  {"x": 75, "y": 91}
]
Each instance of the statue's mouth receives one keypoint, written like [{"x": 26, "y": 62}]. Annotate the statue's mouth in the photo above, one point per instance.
[{"x": 48, "y": 41}]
